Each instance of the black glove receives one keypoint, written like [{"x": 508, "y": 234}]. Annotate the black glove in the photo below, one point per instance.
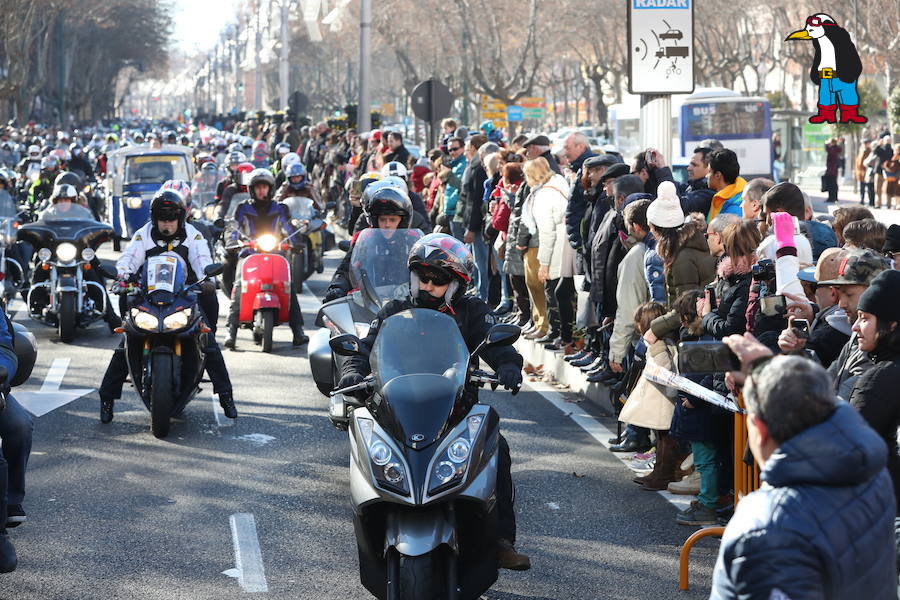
[
  {"x": 510, "y": 377},
  {"x": 351, "y": 379},
  {"x": 333, "y": 293},
  {"x": 575, "y": 242}
]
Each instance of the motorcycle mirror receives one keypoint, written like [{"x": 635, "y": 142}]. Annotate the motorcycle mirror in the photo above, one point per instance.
[
  {"x": 502, "y": 334},
  {"x": 211, "y": 270},
  {"x": 346, "y": 344},
  {"x": 344, "y": 245}
]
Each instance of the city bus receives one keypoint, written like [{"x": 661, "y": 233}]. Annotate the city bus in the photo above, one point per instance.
[{"x": 743, "y": 124}]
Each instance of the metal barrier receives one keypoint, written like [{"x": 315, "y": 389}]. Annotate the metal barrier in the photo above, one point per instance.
[{"x": 746, "y": 480}]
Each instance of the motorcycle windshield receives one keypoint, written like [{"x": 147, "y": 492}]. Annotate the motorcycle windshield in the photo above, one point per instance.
[
  {"x": 378, "y": 263},
  {"x": 66, "y": 211},
  {"x": 163, "y": 276},
  {"x": 419, "y": 361},
  {"x": 301, "y": 208}
]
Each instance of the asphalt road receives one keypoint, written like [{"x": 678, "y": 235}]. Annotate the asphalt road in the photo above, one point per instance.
[{"x": 115, "y": 513}]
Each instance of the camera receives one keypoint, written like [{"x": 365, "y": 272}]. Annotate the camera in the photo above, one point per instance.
[
  {"x": 801, "y": 328},
  {"x": 711, "y": 290},
  {"x": 773, "y": 306},
  {"x": 706, "y": 357},
  {"x": 764, "y": 270}
]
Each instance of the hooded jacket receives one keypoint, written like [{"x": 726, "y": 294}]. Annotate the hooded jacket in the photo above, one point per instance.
[
  {"x": 728, "y": 200},
  {"x": 821, "y": 525}
]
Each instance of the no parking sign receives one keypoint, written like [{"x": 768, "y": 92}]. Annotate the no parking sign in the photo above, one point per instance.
[{"x": 661, "y": 46}]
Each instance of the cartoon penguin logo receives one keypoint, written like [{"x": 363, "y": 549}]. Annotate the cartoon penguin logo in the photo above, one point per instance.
[{"x": 835, "y": 69}]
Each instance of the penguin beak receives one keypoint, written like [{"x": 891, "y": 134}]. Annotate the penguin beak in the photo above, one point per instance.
[{"x": 799, "y": 35}]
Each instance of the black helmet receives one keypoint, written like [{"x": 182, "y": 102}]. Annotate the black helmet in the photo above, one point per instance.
[
  {"x": 447, "y": 260},
  {"x": 167, "y": 205},
  {"x": 385, "y": 199},
  {"x": 68, "y": 177},
  {"x": 261, "y": 176}
]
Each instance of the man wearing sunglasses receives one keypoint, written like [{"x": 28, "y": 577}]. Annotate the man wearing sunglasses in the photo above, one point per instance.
[
  {"x": 441, "y": 268},
  {"x": 451, "y": 173}
]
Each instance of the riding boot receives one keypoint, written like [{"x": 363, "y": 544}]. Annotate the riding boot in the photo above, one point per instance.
[
  {"x": 668, "y": 459},
  {"x": 106, "y": 409},
  {"x": 827, "y": 114},
  {"x": 849, "y": 114},
  {"x": 8, "y": 559},
  {"x": 226, "y": 401}
]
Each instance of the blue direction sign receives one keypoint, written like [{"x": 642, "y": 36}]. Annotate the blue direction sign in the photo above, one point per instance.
[{"x": 514, "y": 113}]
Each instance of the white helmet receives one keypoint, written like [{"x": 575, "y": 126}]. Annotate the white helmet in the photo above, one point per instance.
[
  {"x": 394, "y": 169},
  {"x": 395, "y": 181},
  {"x": 290, "y": 157}
]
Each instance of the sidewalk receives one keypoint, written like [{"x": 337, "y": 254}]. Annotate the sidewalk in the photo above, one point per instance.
[{"x": 848, "y": 196}]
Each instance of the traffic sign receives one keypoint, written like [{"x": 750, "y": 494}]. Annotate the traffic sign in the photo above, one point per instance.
[
  {"x": 514, "y": 113},
  {"x": 431, "y": 100},
  {"x": 661, "y": 46}
]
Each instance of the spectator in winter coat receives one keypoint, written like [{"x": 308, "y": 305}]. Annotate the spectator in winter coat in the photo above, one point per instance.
[
  {"x": 726, "y": 313},
  {"x": 398, "y": 151},
  {"x": 578, "y": 151},
  {"x": 751, "y": 199},
  {"x": 631, "y": 290},
  {"x": 451, "y": 175},
  {"x": 539, "y": 145},
  {"x": 874, "y": 395},
  {"x": 785, "y": 197},
  {"x": 682, "y": 246},
  {"x": 822, "y": 525}
]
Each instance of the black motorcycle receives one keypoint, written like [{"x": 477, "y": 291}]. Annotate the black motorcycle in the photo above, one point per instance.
[
  {"x": 165, "y": 338},
  {"x": 66, "y": 290}
]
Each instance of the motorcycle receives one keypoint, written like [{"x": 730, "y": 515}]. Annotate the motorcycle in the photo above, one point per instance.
[
  {"x": 424, "y": 459},
  {"x": 378, "y": 274},
  {"x": 307, "y": 257},
  {"x": 63, "y": 291},
  {"x": 12, "y": 272},
  {"x": 165, "y": 338},
  {"x": 266, "y": 287}
]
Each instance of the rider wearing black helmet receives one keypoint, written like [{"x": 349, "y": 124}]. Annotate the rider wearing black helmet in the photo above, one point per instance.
[
  {"x": 254, "y": 217},
  {"x": 440, "y": 270},
  {"x": 167, "y": 231},
  {"x": 384, "y": 207}
]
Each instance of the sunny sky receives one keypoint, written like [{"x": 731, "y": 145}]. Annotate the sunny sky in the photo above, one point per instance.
[{"x": 199, "y": 22}]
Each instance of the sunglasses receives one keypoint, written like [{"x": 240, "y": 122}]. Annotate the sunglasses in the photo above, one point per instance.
[
  {"x": 434, "y": 277},
  {"x": 816, "y": 22},
  {"x": 455, "y": 148}
]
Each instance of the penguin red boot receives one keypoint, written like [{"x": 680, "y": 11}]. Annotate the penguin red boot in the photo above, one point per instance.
[
  {"x": 849, "y": 114},
  {"x": 827, "y": 114}
]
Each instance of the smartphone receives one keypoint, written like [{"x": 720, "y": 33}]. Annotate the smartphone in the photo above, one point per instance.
[
  {"x": 773, "y": 306},
  {"x": 706, "y": 357},
  {"x": 801, "y": 328},
  {"x": 711, "y": 289}
]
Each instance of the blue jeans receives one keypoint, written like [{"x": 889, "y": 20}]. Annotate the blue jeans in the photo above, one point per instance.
[
  {"x": 834, "y": 91},
  {"x": 457, "y": 229},
  {"x": 16, "y": 427},
  {"x": 505, "y": 292},
  {"x": 482, "y": 279}
]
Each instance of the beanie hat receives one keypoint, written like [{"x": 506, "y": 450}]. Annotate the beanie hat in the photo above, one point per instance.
[
  {"x": 880, "y": 298},
  {"x": 666, "y": 211},
  {"x": 892, "y": 239}
]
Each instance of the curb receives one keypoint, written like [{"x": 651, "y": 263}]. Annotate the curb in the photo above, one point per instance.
[{"x": 565, "y": 374}]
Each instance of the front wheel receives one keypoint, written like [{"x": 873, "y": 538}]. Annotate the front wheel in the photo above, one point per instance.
[
  {"x": 66, "y": 317},
  {"x": 422, "y": 577},
  {"x": 161, "y": 390},
  {"x": 268, "y": 326}
]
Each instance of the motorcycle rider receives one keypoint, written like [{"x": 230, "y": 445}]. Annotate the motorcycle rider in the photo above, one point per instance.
[
  {"x": 167, "y": 231},
  {"x": 16, "y": 426},
  {"x": 255, "y": 217},
  {"x": 32, "y": 158},
  {"x": 79, "y": 162},
  {"x": 441, "y": 268},
  {"x": 386, "y": 208},
  {"x": 297, "y": 184},
  {"x": 232, "y": 162},
  {"x": 42, "y": 188}
]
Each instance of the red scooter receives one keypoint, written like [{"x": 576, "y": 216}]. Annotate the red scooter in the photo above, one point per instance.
[{"x": 265, "y": 289}]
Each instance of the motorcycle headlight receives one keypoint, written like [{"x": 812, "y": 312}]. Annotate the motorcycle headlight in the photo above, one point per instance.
[
  {"x": 87, "y": 255},
  {"x": 66, "y": 252},
  {"x": 44, "y": 254},
  {"x": 267, "y": 242},
  {"x": 452, "y": 461},
  {"x": 177, "y": 320},
  {"x": 134, "y": 202},
  {"x": 389, "y": 472},
  {"x": 144, "y": 320}
]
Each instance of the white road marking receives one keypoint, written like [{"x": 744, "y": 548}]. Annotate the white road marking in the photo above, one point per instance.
[
  {"x": 219, "y": 414},
  {"x": 308, "y": 301},
  {"x": 257, "y": 439},
  {"x": 49, "y": 397},
  {"x": 15, "y": 306},
  {"x": 247, "y": 555},
  {"x": 598, "y": 431}
]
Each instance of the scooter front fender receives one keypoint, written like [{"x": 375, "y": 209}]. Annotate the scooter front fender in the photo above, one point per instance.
[{"x": 415, "y": 533}]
